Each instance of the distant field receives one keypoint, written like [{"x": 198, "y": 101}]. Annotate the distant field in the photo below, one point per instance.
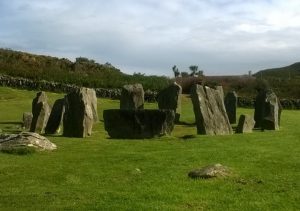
[{"x": 98, "y": 173}]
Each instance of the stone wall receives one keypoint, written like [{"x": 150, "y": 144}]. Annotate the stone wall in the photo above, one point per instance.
[
  {"x": 23, "y": 83},
  {"x": 150, "y": 96}
]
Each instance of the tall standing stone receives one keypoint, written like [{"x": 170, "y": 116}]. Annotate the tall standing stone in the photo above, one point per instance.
[
  {"x": 267, "y": 111},
  {"x": 55, "y": 118},
  {"x": 132, "y": 97},
  {"x": 40, "y": 111},
  {"x": 80, "y": 113},
  {"x": 246, "y": 124},
  {"x": 210, "y": 114},
  {"x": 231, "y": 105},
  {"x": 170, "y": 98}
]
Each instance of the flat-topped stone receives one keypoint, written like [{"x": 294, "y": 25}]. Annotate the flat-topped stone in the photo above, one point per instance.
[{"x": 138, "y": 124}]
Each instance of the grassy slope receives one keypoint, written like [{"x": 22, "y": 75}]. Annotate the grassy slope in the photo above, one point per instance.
[{"x": 99, "y": 173}]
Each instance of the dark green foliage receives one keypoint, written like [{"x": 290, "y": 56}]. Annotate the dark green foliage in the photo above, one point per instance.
[
  {"x": 284, "y": 81},
  {"x": 22, "y": 150},
  {"x": 82, "y": 72}
]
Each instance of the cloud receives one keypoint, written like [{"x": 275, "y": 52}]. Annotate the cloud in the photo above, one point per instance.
[{"x": 150, "y": 36}]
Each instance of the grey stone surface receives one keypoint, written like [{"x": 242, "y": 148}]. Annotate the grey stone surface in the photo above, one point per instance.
[
  {"x": 230, "y": 101},
  {"x": 210, "y": 114},
  {"x": 56, "y": 117},
  {"x": 267, "y": 111},
  {"x": 220, "y": 90},
  {"x": 170, "y": 98},
  {"x": 25, "y": 139},
  {"x": 132, "y": 97},
  {"x": 211, "y": 171},
  {"x": 138, "y": 124},
  {"x": 246, "y": 124},
  {"x": 80, "y": 113},
  {"x": 27, "y": 119},
  {"x": 41, "y": 112}
]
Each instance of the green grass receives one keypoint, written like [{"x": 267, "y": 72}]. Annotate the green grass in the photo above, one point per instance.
[{"x": 98, "y": 173}]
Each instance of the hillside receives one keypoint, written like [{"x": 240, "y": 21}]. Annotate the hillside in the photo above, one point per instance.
[
  {"x": 287, "y": 72},
  {"x": 82, "y": 72},
  {"x": 284, "y": 81}
]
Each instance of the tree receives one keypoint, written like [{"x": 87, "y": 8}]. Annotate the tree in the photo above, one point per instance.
[
  {"x": 175, "y": 71},
  {"x": 193, "y": 69}
]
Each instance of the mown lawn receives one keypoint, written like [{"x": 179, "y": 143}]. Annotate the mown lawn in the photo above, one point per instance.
[{"x": 98, "y": 173}]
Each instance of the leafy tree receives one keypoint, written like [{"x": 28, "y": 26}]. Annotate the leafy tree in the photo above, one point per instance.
[
  {"x": 193, "y": 69},
  {"x": 175, "y": 71}
]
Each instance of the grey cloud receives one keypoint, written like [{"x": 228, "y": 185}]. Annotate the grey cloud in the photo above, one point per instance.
[{"x": 221, "y": 36}]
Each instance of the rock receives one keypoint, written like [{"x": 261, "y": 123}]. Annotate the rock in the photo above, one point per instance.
[
  {"x": 221, "y": 92},
  {"x": 210, "y": 114},
  {"x": 41, "y": 112},
  {"x": 55, "y": 118},
  {"x": 170, "y": 98},
  {"x": 25, "y": 139},
  {"x": 272, "y": 112},
  {"x": 246, "y": 124},
  {"x": 27, "y": 119},
  {"x": 267, "y": 111},
  {"x": 138, "y": 124},
  {"x": 80, "y": 113},
  {"x": 216, "y": 170},
  {"x": 231, "y": 105},
  {"x": 132, "y": 97}
]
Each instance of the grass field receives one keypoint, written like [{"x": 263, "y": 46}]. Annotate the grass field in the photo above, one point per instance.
[{"x": 98, "y": 173}]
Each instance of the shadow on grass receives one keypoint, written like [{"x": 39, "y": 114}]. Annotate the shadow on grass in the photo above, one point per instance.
[
  {"x": 185, "y": 123},
  {"x": 10, "y": 123}
]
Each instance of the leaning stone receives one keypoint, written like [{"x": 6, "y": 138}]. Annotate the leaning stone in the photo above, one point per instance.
[
  {"x": 55, "y": 118},
  {"x": 41, "y": 112},
  {"x": 170, "y": 98},
  {"x": 132, "y": 97},
  {"x": 231, "y": 105},
  {"x": 221, "y": 92},
  {"x": 210, "y": 114},
  {"x": 27, "y": 119},
  {"x": 80, "y": 113},
  {"x": 24, "y": 140},
  {"x": 211, "y": 171},
  {"x": 246, "y": 124},
  {"x": 138, "y": 124}
]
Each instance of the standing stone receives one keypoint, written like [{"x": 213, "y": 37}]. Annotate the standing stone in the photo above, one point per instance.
[
  {"x": 27, "y": 119},
  {"x": 272, "y": 112},
  {"x": 267, "y": 111},
  {"x": 210, "y": 114},
  {"x": 220, "y": 90},
  {"x": 80, "y": 113},
  {"x": 138, "y": 124},
  {"x": 132, "y": 97},
  {"x": 55, "y": 118},
  {"x": 40, "y": 111},
  {"x": 246, "y": 124},
  {"x": 170, "y": 98},
  {"x": 231, "y": 105}
]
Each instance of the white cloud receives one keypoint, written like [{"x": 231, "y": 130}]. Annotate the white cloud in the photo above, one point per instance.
[{"x": 221, "y": 36}]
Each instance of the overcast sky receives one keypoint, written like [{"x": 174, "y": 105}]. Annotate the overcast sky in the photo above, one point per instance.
[{"x": 222, "y": 37}]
